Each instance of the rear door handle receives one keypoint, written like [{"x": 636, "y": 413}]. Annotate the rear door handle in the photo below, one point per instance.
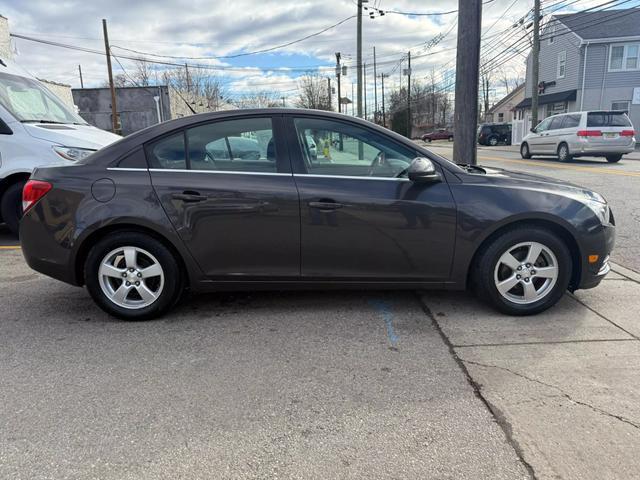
[
  {"x": 326, "y": 205},
  {"x": 189, "y": 197}
]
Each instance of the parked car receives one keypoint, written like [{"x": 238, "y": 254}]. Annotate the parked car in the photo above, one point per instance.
[
  {"x": 440, "y": 134},
  {"x": 492, "y": 134},
  {"x": 607, "y": 134},
  {"x": 138, "y": 226},
  {"x": 36, "y": 128},
  {"x": 237, "y": 148}
]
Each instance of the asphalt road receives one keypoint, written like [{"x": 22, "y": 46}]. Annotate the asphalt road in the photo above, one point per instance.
[{"x": 619, "y": 183}]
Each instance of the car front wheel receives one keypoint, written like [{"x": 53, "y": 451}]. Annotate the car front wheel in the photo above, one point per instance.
[
  {"x": 493, "y": 141},
  {"x": 133, "y": 276},
  {"x": 524, "y": 151},
  {"x": 11, "y": 206},
  {"x": 523, "y": 271},
  {"x": 614, "y": 158}
]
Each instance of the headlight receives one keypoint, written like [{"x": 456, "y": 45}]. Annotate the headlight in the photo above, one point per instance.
[
  {"x": 73, "y": 153},
  {"x": 600, "y": 209}
]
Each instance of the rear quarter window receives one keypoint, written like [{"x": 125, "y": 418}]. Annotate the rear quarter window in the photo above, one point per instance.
[
  {"x": 168, "y": 152},
  {"x": 608, "y": 119}
]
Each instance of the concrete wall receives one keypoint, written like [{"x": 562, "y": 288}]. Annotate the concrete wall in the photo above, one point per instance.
[
  {"x": 5, "y": 40},
  {"x": 136, "y": 106}
]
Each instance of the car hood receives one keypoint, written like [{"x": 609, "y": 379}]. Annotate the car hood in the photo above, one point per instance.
[
  {"x": 69, "y": 135},
  {"x": 532, "y": 181}
]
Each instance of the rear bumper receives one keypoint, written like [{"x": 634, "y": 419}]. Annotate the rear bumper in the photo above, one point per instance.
[
  {"x": 593, "y": 274},
  {"x": 602, "y": 150}
]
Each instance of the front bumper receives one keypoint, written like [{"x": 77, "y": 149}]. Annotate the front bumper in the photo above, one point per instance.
[{"x": 593, "y": 274}]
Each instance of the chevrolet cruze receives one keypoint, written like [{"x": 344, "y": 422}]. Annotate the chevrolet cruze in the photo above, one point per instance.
[{"x": 175, "y": 207}]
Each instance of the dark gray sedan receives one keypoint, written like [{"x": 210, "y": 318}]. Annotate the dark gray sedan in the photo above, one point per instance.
[{"x": 183, "y": 206}]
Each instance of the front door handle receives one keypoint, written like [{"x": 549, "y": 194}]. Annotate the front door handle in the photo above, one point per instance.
[
  {"x": 326, "y": 205},
  {"x": 188, "y": 196}
]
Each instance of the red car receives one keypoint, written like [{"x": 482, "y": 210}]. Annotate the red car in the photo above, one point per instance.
[{"x": 440, "y": 134}]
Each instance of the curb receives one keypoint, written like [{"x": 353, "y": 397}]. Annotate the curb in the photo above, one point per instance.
[{"x": 625, "y": 272}]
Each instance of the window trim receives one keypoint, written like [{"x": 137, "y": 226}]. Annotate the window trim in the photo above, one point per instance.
[
  {"x": 562, "y": 58},
  {"x": 624, "y": 57}
]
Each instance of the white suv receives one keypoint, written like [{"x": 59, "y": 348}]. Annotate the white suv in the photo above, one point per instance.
[{"x": 606, "y": 134}]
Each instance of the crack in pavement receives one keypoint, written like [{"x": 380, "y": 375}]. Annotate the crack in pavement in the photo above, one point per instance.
[{"x": 558, "y": 389}]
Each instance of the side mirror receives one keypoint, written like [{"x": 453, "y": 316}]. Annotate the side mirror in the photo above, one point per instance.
[
  {"x": 422, "y": 170},
  {"x": 532, "y": 129}
]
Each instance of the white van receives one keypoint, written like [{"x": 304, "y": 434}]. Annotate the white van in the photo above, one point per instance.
[
  {"x": 36, "y": 128},
  {"x": 608, "y": 134}
]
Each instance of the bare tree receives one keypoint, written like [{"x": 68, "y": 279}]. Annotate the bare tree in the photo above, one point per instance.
[
  {"x": 485, "y": 81},
  {"x": 258, "y": 99},
  {"x": 197, "y": 87},
  {"x": 445, "y": 108},
  {"x": 141, "y": 73},
  {"x": 314, "y": 93}
]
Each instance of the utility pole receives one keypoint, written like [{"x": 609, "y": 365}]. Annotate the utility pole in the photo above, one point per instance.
[
  {"x": 80, "y": 72},
  {"x": 382, "y": 77},
  {"x": 467, "y": 77},
  {"x": 338, "y": 72},
  {"x": 329, "y": 91},
  {"x": 375, "y": 85},
  {"x": 352, "y": 100},
  {"x": 364, "y": 87},
  {"x": 283, "y": 105},
  {"x": 186, "y": 73},
  {"x": 409, "y": 94},
  {"x": 535, "y": 65},
  {"x": 359, "y": 56},
  {"x": 115, "y": 124}
]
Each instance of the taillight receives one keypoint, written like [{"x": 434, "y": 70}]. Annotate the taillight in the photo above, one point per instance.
[
  {"x": 33, "y": 191},
  {"x": 627, "y": 133},
  {"x": 589, "y": 133}
]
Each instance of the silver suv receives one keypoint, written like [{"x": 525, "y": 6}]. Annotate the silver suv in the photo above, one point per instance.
[{"x": 606, "y": 134}]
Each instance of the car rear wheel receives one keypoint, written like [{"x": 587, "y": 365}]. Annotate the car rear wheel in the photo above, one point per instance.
[
  {"x": 563, "y": 153},
  {"x": 133, "y": 276},
  {"x": 450, "y": 138},
  {"x": 493, "y": 141},
  {"x": 11, "y": 206},
  {"x": 523, "y": 271},
  {"x": 614, "y": 158},
  {"x": 524, "y": 151}
]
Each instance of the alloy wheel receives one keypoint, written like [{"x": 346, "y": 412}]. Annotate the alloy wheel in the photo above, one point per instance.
[
  {"x": 131, "y": 277},
  {"x": 526, "y": 273}
]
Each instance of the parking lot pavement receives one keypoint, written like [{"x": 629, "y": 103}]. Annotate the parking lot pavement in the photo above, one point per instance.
[
  {"x": 566, "y": 383},
  {"x": 268, "y": 385}
]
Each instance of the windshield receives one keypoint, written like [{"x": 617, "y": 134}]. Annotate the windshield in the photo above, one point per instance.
[{"x": 29, "y": 101}]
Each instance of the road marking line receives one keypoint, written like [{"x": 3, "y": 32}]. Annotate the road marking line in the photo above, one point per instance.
[{"x": 10, "y": 247}]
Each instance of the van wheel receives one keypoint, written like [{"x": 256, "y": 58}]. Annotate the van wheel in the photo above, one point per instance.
[
  {"x": 133, "y": 276},
  {"x": 563, "y": 153},
  {"x": 614, "y": 158},
  {"x": 523, "y": 271},
  {"x": 524, "y": 151},
  {"x": 11, "y": 206}
]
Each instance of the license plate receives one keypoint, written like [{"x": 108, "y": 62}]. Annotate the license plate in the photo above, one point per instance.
[{"x": 609, "y": 135}]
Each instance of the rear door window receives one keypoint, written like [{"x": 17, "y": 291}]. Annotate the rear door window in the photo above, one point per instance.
[{"x": 608, "y": 119}]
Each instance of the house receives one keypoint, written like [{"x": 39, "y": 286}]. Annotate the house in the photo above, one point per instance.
[
  {"x": 588, "y": 61},
  {"x": 504, "y": 110}
]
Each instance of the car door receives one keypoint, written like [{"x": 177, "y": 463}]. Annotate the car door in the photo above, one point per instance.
[
  {"x": 228, "y": 189},
  {"x": 538, "y": 139},
  {"x": 359, "y": 220},
  {"x": 554, "y": 133}
]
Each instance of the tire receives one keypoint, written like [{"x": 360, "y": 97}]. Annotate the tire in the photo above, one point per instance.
[
  {"x": 428, "y": 140},
  {"x": 11, "y": 206},
  {"x": 167, "y": 287},
  {"x": 563, "y": 153},
  {"x": 614, "y": 158},
  {"x": 524, "y": 151},
  {"x": 493, "y": 141},
  {"x": 490, "y": 270},
  {"x": 450, "y": 139}
]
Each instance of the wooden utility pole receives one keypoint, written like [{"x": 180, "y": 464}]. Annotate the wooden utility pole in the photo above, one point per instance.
[
  {"x": 359, "y": 56},
  {"x": 384, "y": 119},
  {"x": 338, "y": 72},
  {"x": 283, "y": 104},
  {"x": 375, "y": 85},
  {"x": 115, "y": 124},
  {"x": 409, "y": 95},
  {"x": 329, "y": 91},
  {"x": 535, "y": 63},
  {"x": 80, "y": 72},
  {"x": 364, "y": 88},
  {"x": 467, "y": 77}
]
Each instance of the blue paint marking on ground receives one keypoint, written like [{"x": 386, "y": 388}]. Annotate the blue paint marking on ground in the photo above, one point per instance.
[{"x": 384, "y": 308}]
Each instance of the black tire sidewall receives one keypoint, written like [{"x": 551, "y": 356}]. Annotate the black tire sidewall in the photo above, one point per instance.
[
  {"x": 485, "y": 267},
  {"x": 492, "y": 140},
  {"x": 524, "y": 151},
  {"x": 568, "y": 157},
  {"x": 613, "y": 158},
  {"x": 173, "y": 281},
  {"x": 11, "y": 205}
]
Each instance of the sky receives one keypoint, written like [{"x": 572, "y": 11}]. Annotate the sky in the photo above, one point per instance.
[{"x": 218, "y": 28}]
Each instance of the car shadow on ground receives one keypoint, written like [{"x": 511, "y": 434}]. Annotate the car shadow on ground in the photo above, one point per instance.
[{"x": 596, "y": 162}]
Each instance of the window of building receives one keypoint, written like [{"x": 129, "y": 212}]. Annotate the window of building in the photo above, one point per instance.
[
  {"x": 562, "y": 64},
  {"x": 624, "y": 57},
  {"x": 620, "y": 105},
  {"x": 500, "y": 117},
  {"x": 552, "y": 31}
]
